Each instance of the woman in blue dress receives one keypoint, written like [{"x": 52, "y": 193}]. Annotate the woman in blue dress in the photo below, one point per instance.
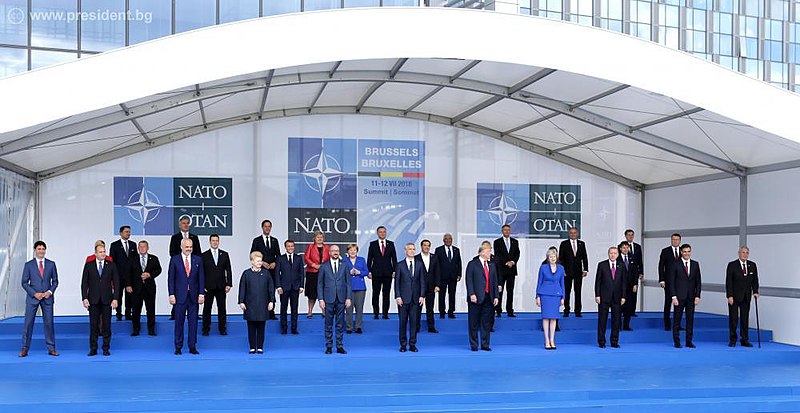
[
  {"x": 357, "y": 266},
  {"x": 550, "y": 296}
]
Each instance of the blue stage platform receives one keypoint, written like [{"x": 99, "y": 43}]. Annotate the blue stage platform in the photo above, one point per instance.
[{"x": 646, "y": 374}]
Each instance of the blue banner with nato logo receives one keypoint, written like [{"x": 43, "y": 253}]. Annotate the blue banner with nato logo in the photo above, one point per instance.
[
  {"x": 532, "y": 210},
  {"x": 346, "y": 188},
  {"x": 154, "y": 205}
]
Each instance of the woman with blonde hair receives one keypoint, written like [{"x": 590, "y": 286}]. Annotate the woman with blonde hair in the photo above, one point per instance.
[
  {"x": 316, "y": 253},
  {"x": 550, "y": 296}
]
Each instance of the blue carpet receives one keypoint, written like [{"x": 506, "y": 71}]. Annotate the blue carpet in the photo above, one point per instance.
[{"x": 647, "y": 373}]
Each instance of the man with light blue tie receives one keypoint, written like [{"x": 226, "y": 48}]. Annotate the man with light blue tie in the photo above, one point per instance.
[
  {"x": 186, "y": 284},
  {"x": 39, "y": 280},
  {"x": 335, "y": 290},
  {"x": 409, "y": 291}
]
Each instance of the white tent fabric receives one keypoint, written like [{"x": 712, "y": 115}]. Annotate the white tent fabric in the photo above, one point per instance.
[{"x": 626, "y": 109}]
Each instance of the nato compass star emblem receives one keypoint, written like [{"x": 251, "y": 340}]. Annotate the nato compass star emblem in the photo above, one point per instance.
[
  {"x": 143, "y": 206},
  {"x": 502, "y": 210},
  {"x": 322, "y": 172}
]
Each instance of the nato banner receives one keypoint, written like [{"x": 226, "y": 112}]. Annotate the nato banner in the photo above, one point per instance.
[
  {"x": 345, "y": 188},
  {"x": 532, "y": 211},
  {"x": 154, "y": 205}
]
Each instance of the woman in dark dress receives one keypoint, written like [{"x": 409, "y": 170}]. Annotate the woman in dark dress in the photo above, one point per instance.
[
  {"x": 550, "y": 296},
  {"x": 315, "y": 255},
  {"x": 256, "y": 299}
]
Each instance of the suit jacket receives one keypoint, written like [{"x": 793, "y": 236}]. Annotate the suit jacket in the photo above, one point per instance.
[
  {"x": 632, "y": 272},
  {"x": 476, "y": 280},
  {"x": 637, "y": 256},
  {"x": 502, "y": 256},
  {"x": 738, "y": 285},
  {"x": 449, "y": 270},
  {"x": 97, "y": 289},
  {"x": 121, "y": 259},
  {"x": 334, "y": 287},
  {"x": 683, "y": 287},
  {"x": 410, "y": 287},
  {"x": 430, "y": 274},
  {"x": 269, "y": 254},
  {"x": 665, "y": 262},
  {"x": 610, "y": 289},
  {"x": 574, "y": 264},
  {"x": 152, "y": 266},
  {"x": 219, "y": 275},
  {"x": 175, "y": 244},
  {"x": 381, "y": 266},
  {"x": 291, "y": 277},
  {"x": 34, "y": 283},
  {"x": 182, "y": 287}
]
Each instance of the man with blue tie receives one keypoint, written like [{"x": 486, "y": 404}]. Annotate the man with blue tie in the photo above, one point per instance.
[
  {"x": 481, "y": 280},
  {"x": 335, "y": 290},
  {"x": 39, "y": 280},
  {"x": 409, "y": 291},
  {"x": 291, "y": 279},
  {"x": 186, "y": 285},
  {"x": 101, "y": 291}
]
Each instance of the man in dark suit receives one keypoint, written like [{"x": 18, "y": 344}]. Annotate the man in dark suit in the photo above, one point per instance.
[
  {"x": 685, "y": 284},
  {"x": 573, "y": 256},
  {"x": 100, "y": 291},
  {"x": 39, "y": 280},
  {"x": 631, "y": 283},
  {"x": 381, "y": 262},
  {"x": 141, "y": 284},
  {"x": 291, "y": 279},
  {"x": 219, "y": 280},
  {"x": 430, "y": 273},
  {"x": 335, "y": 290},
  {"x": 506, "y": 255},
  {"x": 449, "y": 260},
  {"x": 409, "y": 292},
  {"x": 669, "y": 257},
  {"x": 636, "y": 255},
  {"x": 270, "y": 250},
  {"x": 186, "y": 284},
  {"x": 609, "y": 293},
  {"x": 741, "y": 283},
  {"x": 175, "y": 245},
  {"x": 481, "y": 280},
  {"x": 122, "y": 252}
]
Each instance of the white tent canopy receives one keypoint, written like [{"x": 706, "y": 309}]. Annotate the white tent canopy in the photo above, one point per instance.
[{"x": 616, "y": 106}]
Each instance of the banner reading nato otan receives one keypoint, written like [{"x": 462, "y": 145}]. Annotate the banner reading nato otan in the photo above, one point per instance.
[
  {"x": 346, "y": 188},
  {"x": 153, "y": 205},
  {"x": 532, "y": 211}
]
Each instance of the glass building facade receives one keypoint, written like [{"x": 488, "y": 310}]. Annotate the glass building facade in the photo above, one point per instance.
[{"x": 760, "y": 38}]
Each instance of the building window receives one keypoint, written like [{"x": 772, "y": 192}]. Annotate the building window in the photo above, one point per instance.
[
  {"x": 696, "y": 30},
  {"x": 13, "y": 61},
  {"x": 669, "y": 25},
  {"x": 640, "y": 19},
  {"x": 14, "y": 23},
  {"x": 581, "y": 12},
  {"x": 159, "y": 23},
  {"x": 235, "y": 10},
  {"x": 611, "y": 15},
  {"x": 194, "y": 14},
  {"x": 275, "y": 7},
  {"x": 107, "y": 31},
  {"x": 53, "y": 24}
]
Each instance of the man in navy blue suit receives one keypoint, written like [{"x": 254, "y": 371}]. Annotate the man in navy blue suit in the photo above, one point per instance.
[
  {"x": 186, "y": 284},
  {"x": 291, "y": 279},
  {"x": 409, "y": 291},
  {"x": 335, "y": 291},
  {"x": 481, "y": 280},
  {"x": 101, "y": 289},
  {"x": 39, "y": 280},
  {"x": 685, "y": 284}
]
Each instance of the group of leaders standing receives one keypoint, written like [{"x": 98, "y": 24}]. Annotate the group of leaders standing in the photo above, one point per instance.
[{"x": 338, "y": 284}]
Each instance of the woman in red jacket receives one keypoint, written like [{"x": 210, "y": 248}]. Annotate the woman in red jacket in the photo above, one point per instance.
[{"x": 315, "y": 255}]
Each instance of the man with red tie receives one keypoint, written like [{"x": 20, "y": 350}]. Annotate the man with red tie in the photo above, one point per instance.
[
  {"x": 482, "y": 296},
  {"x": 685, "y": 284},
  {"x": 381, "y": 262},
  {"x": 186, "y": 284},
  {"x": 39, "y": 280},
  {"x": 609, "y": 293}
]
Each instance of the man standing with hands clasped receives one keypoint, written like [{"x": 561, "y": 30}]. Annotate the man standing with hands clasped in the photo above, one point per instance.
[
  {"x": 409, "y": 291},
  {"x": 186, "y": 284},
  {"x": 685, "y": 284},
  {"x": 335, "y": 290},
  {"x": 609, "y": 293},
  {"x": 741, "y": 283},
  {"x": 100, "y": 290},
  {"x": 506, "y": 250},
  {"x": 481, "y": 280}
]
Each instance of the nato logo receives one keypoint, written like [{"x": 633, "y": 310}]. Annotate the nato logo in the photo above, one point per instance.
[
  {"x": 322, "y": 173},
  {"x": 502, "y": 204}
]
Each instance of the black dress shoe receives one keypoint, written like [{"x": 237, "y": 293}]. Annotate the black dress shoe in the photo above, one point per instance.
[
  {"x": 690, "y": 345},
  {"x": 627, "y": 329},
  {"x": 491, "y": 330},
  {"x": 106, "y": 353},
  {"x": 413, "y": 349},
  {"x": 223, "y": 333},
  {"x": 349, "y": 331},
  {"x": 615, "y": 345},
  {"x": 512, "y": 314},
  {"x": 441, "y": 315},
  {"x": 487, "y": 348},
  {"x": 451, "y": 315},
  {"x": 283, "y": 332},
  {"x": 151, "y": 333},
  {"x": 402, "y": 349},
  {"x": 193, "y": 350},
  {"x": 499, "y": 315},
  {"x": 135, "y": 333},
  {"x": 601, "y": 345},
  {"x": 677, "y": 345},
  {"x": 178, "y": 352},
  {"x": 341, "y": 350},
  {"x": 473, "y": 349},
  {"x": 119, "y": 317},
  {"x": 205, "y": 333},
  {"x": 376, "y": 317},
  {"x": 731, "y": 344},
  {"x": 558, "y": 327},
  {"x": 433, "y": 330},
  {"x": 295, "y": 332},
  {"x": 92, "y": 353},
  {"x": 359, "y": 331},
  {"x": 566, "y": 313},
  {"x": 579, "y": 315},
  {"x": 747, "y": 344},
  {"x": 328, "y": 350},
  {"x": 386, "y": 317}
]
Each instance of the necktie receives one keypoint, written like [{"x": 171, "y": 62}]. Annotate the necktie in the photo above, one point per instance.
[
  {"x": 613, "y": 272},
  {"x": 186, "y": 265},
  {"x": 625, "y": 260},
  {"x": 675, "y": 251},
  {"x": 411, "y": 268},
  {"x": 185, "y": 235},
  {"x": 269, "y": 243},
  {"x": 508, "y": 244},
  {"x": 574, "y": 248},
  {"x": 41, "y": 268},
  {"x": 744, "y": 268},
  {"x": 125, "y": 247},
  {"x": 449, "y": 254},
  {"x": 686, "y": 268},
  {"x": 290, "y": 260},
  {"x": 336, "y": 267},
  {"x": 216, "y": 257},
  {"x": 143, "y": 261},
  {"x": 486, "y": 275},
  {"x": 100, "y": 268},
  {"x": 383, "y": 247}
]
